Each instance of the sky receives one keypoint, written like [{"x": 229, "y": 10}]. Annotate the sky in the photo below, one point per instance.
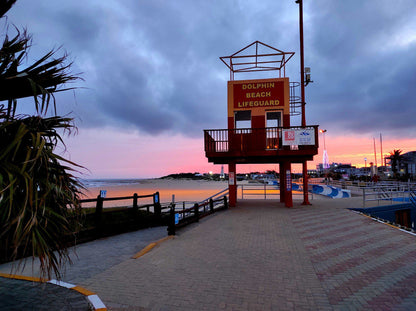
[{"x": 152, "y": 80}]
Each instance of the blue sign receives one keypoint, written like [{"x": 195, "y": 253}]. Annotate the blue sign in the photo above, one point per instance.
[
  {"x": 288, "y": 180},
  {"x": 176, "y": 219},
  {"x": 103, "y": 193}
]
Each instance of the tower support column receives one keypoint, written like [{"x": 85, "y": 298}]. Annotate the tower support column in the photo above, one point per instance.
[
  {"x": 286, "y": 183},
  {"x": 305, "y": 183},
  {"x": 282, "y": 182},
  {"x": 232, "y": 184}
]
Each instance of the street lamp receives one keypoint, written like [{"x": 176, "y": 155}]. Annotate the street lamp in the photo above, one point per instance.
[{"x": 323, "y": 132}]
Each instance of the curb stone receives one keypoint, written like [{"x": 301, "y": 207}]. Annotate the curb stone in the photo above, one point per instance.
[{"x": 149, "y": 247}]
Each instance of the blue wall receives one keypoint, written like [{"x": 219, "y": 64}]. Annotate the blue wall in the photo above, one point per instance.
[{"x": 388, "y": 212}]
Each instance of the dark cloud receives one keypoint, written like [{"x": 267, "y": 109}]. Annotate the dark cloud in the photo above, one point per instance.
[
  {"x": 364, "y": 66},
  {"x": 153, "y": 65}
]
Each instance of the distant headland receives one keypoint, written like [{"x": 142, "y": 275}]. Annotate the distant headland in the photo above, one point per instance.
[{"x": 193, "y": 176}]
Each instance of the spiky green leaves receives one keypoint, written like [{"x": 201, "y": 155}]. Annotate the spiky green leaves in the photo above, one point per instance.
[{"x": 39, "y": 196}]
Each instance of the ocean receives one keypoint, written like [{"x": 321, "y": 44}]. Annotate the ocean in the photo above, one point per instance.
[{"x": 178, "y": 190}]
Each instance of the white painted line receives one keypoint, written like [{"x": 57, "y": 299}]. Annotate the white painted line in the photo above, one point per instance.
[
  {"x": 96, "y": 302},
  {"x": 60, "y": 283},
  {"x": 412, "y": 233},
  {"x": 387, "y": 223}
]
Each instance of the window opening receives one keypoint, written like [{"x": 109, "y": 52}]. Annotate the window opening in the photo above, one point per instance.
[
  {"x": 273, "y": 121},
  {"x": 242, "y": 119}
]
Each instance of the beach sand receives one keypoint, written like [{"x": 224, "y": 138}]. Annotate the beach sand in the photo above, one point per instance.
[{"x": 184, "y": 190}]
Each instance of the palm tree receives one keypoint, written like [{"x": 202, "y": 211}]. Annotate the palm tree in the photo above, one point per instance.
[
  {"x": 395, "y": 159},
  {"x": 39, "y": 196}
]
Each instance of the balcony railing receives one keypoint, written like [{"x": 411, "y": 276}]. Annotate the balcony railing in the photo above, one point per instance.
[{"x": 254, "y": 139}]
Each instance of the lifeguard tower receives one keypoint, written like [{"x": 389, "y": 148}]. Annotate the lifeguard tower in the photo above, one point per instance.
[{"x": 259, "y": 121}]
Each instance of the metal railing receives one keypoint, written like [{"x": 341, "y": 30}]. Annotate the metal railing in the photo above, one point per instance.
[
  {"x": 356, "y": 187},
  {"x": 263, "y": 190},
  {"x": 98, "y": 221},
  {"x": 388, "y": 194},
  {"x": 412, "y": 198},
  {"x": 150, "y": 207},
  {"x": 251, "y": 139},
  {"x": 185, "y": 216},
  {"x": 267, "y": 190}
]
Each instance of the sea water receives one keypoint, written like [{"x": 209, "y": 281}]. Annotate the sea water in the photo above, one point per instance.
[{"x": 169, "y": 190}]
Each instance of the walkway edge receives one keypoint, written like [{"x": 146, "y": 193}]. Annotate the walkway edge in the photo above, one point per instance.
[
  {"x": 385, "y": 223},
  {"x": 93, "y": 299}
]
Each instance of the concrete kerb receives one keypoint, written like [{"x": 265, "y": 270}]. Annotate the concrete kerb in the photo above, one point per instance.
[
  {"x": 93, "y": 298},
  {"x": 149, "y": 247}
]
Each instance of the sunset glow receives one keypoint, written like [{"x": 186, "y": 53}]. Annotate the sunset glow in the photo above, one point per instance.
[
  {"x": 140, "y": 155},
  {"x": 353, "y": 150}
]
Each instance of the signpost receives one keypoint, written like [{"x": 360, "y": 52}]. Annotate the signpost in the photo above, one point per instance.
[
  {"x": 298, "y": 136},
  {"x": 103, "y": 193}
]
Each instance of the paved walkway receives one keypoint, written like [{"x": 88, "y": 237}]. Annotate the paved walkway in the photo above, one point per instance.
[{"x": 258, "y": 256}]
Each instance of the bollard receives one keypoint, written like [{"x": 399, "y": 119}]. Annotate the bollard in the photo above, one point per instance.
[
  {"x": 196, "y": 207},
  {"x": 225, "y": 202},
  {"x": 99, "y": 215},
  {"x": 135, "y": 206},
  {"x": 157, "y": 206},
  {"x": 171, "y": 223},
  {"x": 211, "y": 205},
  {"x": 99, "y": 206}
]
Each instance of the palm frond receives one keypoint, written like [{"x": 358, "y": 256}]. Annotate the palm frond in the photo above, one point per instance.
[
  {"x": 39, "y": 80},
  {"x": 37, "y": 190},
  {"x": 5, "y": 6}
]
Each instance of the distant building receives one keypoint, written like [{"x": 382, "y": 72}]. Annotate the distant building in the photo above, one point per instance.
[
  {"x": 341, "y": 168},
  {"x": 384, "y": 171},
  {"x": 320, "y": 168},
  {"x": 363, "y": 171},
  {"x": 408, "y": 164}
]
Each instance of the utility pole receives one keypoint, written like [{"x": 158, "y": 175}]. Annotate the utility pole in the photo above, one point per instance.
[
  {"x": 302, "y": 91},
  {"x": 302, "y": 62}
]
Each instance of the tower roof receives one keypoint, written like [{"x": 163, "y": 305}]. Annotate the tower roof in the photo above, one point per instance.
[{"x": 257, "y": 56}]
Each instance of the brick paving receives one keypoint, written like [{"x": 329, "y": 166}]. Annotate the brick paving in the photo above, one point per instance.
[
  {"x": 258, "y": 256},
  {"x": 362, "y": 264},
  {"x": 18, "y": 295}
]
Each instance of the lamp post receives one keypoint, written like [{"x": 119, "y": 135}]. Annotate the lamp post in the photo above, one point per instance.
[
  {"x": 325, "y": 163},
  {"x": 325, "y": 154},
  {"x": 323, "y": 132}
]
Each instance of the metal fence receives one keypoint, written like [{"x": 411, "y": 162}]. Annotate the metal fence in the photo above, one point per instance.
[
  {"x": 262, "y": 190},
  {"x": 388, "y": 194},
  {"x": 181, "y": 214},
  {"x": 266, "y": 191}
]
